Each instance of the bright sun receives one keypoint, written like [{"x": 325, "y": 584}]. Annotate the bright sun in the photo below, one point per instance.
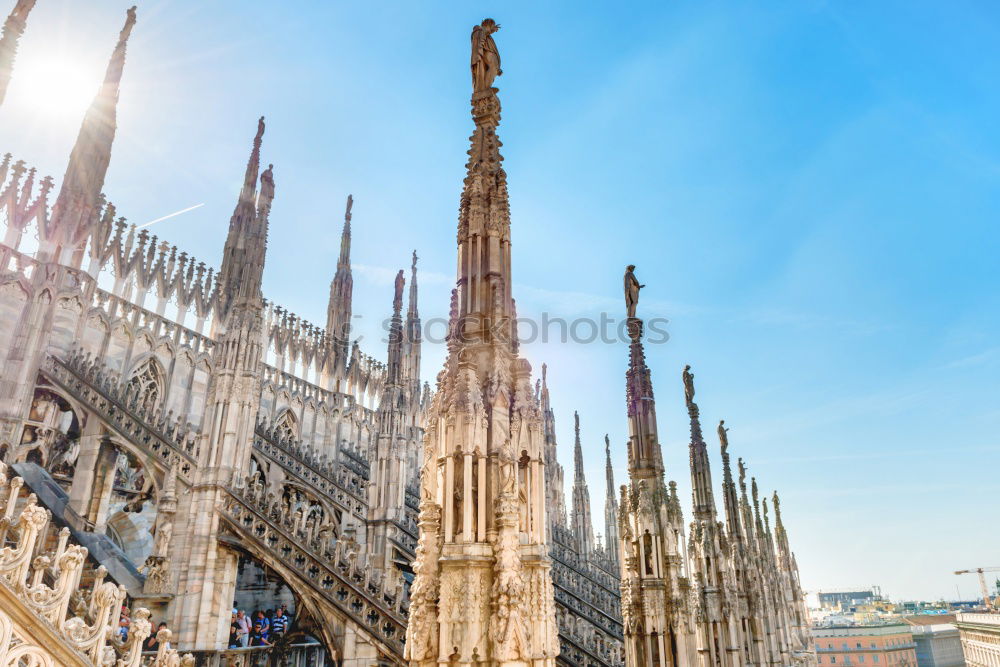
[{"x": 54, "y": 87}]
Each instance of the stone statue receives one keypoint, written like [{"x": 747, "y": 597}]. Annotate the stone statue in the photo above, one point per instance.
[
  {"x": 397, "y": 300},
  {"x": 688, "y": 378},
  {"x": 632, "y": 288},
  {"x": 723, "y": 435},
  {"x": 161, "y": 541},
  {"x": 485, "y": 57},
  {"x": 69, "y": 452}
]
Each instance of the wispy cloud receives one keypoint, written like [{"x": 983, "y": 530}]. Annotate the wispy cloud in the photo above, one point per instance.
[{"x": 983, "y": 358}]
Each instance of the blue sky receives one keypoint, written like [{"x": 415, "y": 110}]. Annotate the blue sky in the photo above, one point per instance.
[{"x": 809, "y": 190}]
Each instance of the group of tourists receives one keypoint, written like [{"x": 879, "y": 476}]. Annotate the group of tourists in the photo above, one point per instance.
[
  {"x": 262, "y": 628},
  {"x": 151, "y": 643}
]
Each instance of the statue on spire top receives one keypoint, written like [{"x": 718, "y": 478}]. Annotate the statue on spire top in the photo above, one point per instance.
[
  {"x": 485, "y": 57},
  {"x": 397, "y": 300},
  {"x": 688, "y": 377},
  {"x": 129, "y": 23},
  {"x": 632, "y": 288}
]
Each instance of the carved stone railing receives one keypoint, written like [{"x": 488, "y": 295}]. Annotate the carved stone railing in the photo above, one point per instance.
[
  {"x": 412, "y": 497},
  {"x": 327, "y": 568},
  {"x": 592, "y": 586},
  {"x": 305, "y": 653},
  {"x": 46, "y": 585},
  {"x": 169, "y": 440},
  {"x": 583, "y": 652},
  {"x": 158, "y": 326},
  {"x": 343, "y": 485}
]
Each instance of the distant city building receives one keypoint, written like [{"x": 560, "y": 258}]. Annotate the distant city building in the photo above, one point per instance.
[
  {"x": 890, "y": 645},
  {"x": 937, "y": 640},
  {"x": 980, "y": 637},
  {"x": 845, "y": 599}
]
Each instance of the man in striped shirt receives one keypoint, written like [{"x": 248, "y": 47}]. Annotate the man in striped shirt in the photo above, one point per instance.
[{"x": 278, "y": 625}]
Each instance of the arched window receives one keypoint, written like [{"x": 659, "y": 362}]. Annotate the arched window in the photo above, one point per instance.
[
  {"x": 145, "y": 387},
  {"x": 286, "y": 427}
]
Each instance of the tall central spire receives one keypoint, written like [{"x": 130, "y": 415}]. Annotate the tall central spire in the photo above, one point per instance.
[
  {"x": 13, "y": 28},
  {"x": 79, "y": 200},
  {"x": 483, "y": 526},
  {"x": 484, "y": 275}
]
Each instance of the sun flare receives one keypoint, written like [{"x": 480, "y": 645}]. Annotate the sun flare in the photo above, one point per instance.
[{"x": 55, "y": 88}]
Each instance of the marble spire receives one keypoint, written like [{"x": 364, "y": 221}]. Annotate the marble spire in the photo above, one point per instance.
[
  {"x": 651, "y": 526},
  {"x": 555, "y": 503},
  {"x": 338, "y": 309},
  {"x": 412, "y": 339},
  {"x": 583, "y": 528},
  {"x": 482, "y": 521},
  {"x": 701, "y": 470},
  {"x": 389, "y": 467},
  {"x": 13, "y": 28},
  {"x": 242, "y": 269},
  {"x": 610, "y": 506},
  {"x": 731, "y": 502},
  {"x": 79, "y": 201}
]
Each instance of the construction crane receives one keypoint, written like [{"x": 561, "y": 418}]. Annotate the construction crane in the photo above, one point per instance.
[{"x": 982, "y": 582}]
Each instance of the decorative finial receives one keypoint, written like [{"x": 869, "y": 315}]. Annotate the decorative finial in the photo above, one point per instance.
[
  {"x": 350, "y": 203},
  {"x": 485, "y": 57},
  {"x": 607, "y": 444}
]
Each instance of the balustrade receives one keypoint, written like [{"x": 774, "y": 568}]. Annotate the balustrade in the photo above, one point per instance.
[
  {"x": 47, "y": 584},
  {"x": 169, "y": 439},
  {"x": 336, "y": 570}
]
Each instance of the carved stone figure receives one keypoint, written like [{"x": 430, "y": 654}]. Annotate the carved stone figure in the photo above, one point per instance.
[
  {"x": 164, "y": 532},
  {"x": 688, "y": 377},
  {"x": 632, "y": 288},
  {"x": 485, "y": 56},
  {"x": 723, "y": 435}
]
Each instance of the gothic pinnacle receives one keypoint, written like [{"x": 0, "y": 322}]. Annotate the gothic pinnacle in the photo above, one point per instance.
[
  {"x": 345, "y": 237},
  {"x": 701, "y": 471},
  {"x": 13, "y": 28},
  {"x": 246, "y": 243},
  {"x": 412, "y": 306},
  {"x": 80, "y": 196},
  {"x": 397, "y": 299},
  {"x": 338, "y": 308},
  {"x": 577, "y": 449},
  {"x": 253, "y": 164}
]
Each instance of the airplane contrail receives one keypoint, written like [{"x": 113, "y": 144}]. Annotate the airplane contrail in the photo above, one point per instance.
[{"x": 183, "y": 210}]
